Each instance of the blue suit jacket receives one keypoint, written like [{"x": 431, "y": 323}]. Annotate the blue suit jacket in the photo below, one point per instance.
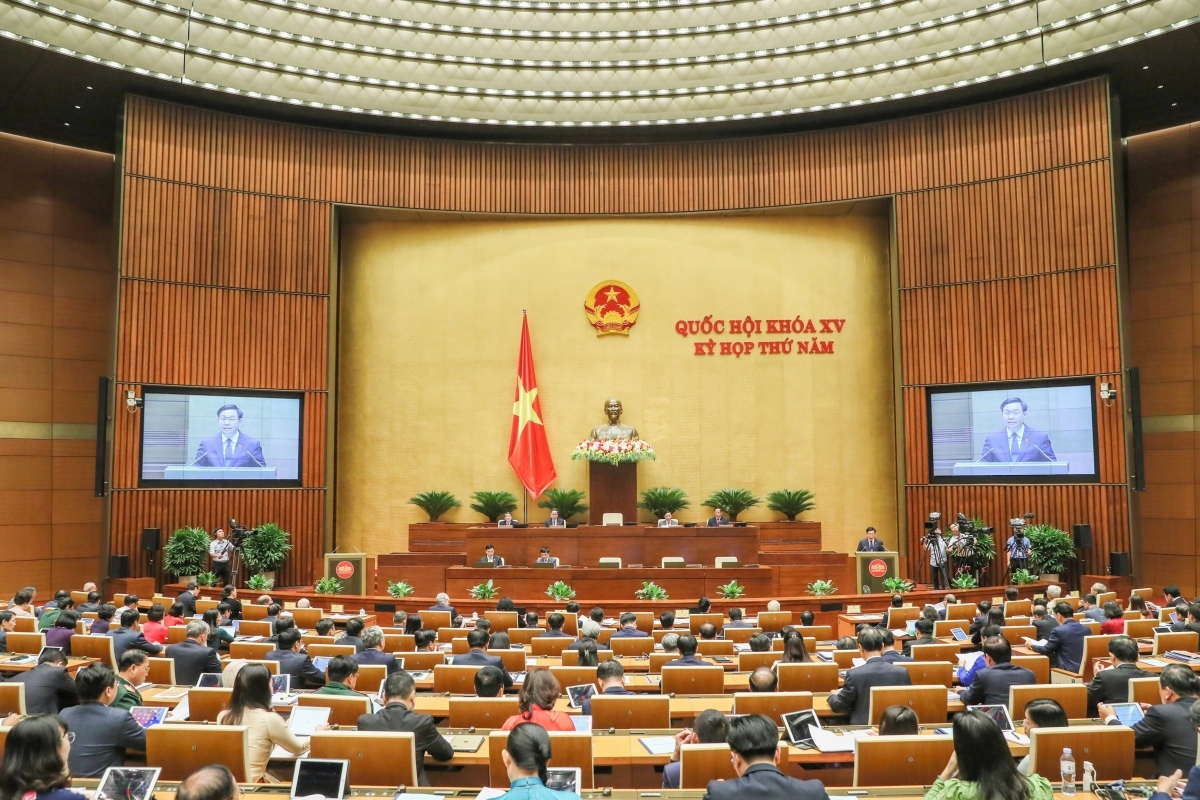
[
  {"x": 855, "y": 695},
  {"x": 864, "y": 546},
  {"x": 765, "y": 781},
  {"x": 373, "y": 656},
  {"x": 126, "y": 638},
  {"x": 299, "y": 666},
  {"x": 687, "y": 661},
  {"x": 478, "y": 658},
  {"x": 210, "y": 453},
  {"x": 990, "y": 686},
  {"x": 1035, "y": 446},
  {"x": 629, "y": 633},
  {"x": 102, "y": 734},
  {"x": 586, "y": 708},
  {"x": 1065, "y": 641}
]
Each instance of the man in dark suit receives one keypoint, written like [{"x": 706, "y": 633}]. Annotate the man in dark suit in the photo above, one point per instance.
[
  {"x": 188, "y": 598},
  {"x": 735, "y": 619},
  {"x": 1168, "y": 727},
  {"x": 1043, "y": 621},
  {"x": 91, "y": 604},
  {"x": 556, "y": 622},
  {"x": 924, "y": 636},
  {"x": 477, "y": 640},
  {"x": 1112, "y": 685},
  {"x": 854, "y": 698},
  {"x": 628, "y": 629},
  {"x": 295, "y": 662},
  {"x": 443, "y": 604},
  {"x": 890, "y": 654},
  {"x": 1065, "y": 641},
  {"x": 754, "y": 740},
  {"x": 1193, "y": 619},
  {"x": 871, "y": 543},
  {"x": 490, "y": 557},
  {"x": 687, "y": 653},
  {"x": 373, "y": 650},
  {"x": 555, "y": 521},
  {"x": 718, "y": 519},
  {"x": 990, "y": 687},
  {"x": 230, "y": 447},
  {"x": 397, "y": 714},
  {"x": 102, "y": 734},
  {"x": 353, "y": 636},
  {"x": 712, "y": 727},
  {"x": 130, "y": 635},
  {"x": 610, "y": 679},
  {"x": 48, "y": 687},
  {"x": 193, "y": 655},
  {"x": 1087, "y": 605},
  {"x": 1016, "y": 441}
]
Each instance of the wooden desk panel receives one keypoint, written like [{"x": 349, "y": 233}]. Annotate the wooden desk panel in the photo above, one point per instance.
[
  {"x": 611, "y": 585},
  {"x": 431, "y": 567},
  {"x": 633, "y": 544}
]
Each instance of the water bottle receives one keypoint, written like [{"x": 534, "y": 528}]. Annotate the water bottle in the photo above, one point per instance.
[{"x": 1067, "y": 767}]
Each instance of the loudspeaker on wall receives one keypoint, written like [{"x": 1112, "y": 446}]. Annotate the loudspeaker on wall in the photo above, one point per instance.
[
  {"x": 118, "y": 566},
  {"x": 1083, "y": 536},
  {"x": 150, "y": 539},
  {"x": 1118, "y": 564}
]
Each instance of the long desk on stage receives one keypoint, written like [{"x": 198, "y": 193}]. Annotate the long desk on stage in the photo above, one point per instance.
[
  {"x": 609, "y": 585},
  {"x": 633, "y": 544}
]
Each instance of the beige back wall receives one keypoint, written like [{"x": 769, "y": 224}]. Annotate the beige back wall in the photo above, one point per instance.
[{"x": 429, "y": 332}]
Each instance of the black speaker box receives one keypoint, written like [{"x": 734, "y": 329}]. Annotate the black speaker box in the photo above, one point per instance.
[
  {"x": 831, "y": 606},
  {"x": 150, "y": 537},
  {"x": 1083, "y": 536},
  {"x": 118, "y": 566},
  {"x": 1118, "y": 564}
]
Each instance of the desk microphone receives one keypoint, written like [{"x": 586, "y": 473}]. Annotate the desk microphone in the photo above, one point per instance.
[
  {"x": 982, "y": 457},
  {"x": 1043, "y": 452},
  {"x": 197, "y": 458},
  {"x": 242, "y": 447}
]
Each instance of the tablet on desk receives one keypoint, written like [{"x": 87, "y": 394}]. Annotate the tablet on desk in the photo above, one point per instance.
[
  {"x": 127, "y": 783},
  {"x": 798, "y": 724},
  {"x": 322, "y": 777},
  {"x": 1128, "y": 714},
  {"x": 322, "y": 663},
  {"x": 577, "y": 694},
  {"x": 959, "y": 634},
  {"x": 997, "y": 714},
  {"x": 281, "y": 684},
  {"x": 564, "y": 779},
  {"x": 209, "y": 680},
  {"x": 304, "y": 720},
  {"x": 148, "y": 715}
]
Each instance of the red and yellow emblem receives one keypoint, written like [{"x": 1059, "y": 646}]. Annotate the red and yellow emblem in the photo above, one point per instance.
[{"x": 612, "y": 307}]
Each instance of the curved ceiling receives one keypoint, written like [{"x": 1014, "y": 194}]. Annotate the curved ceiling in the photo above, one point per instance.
[{"x": 585, "y": 63}]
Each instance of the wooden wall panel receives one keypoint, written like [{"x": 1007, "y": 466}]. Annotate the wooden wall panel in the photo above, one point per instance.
[{"x": 916, "y": 435}]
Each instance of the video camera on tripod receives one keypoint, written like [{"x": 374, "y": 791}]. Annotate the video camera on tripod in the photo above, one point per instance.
[
  {"x": 968, "y": 534},
  {"x": 239, "y": 533}
]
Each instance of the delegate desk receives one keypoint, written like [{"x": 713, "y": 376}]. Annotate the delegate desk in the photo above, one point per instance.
[
  {"x": 608, "y": 585},
  {"x": 585, "y": 545}
]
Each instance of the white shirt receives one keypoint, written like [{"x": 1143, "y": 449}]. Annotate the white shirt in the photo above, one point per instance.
[{"x": 219, "y": 549}]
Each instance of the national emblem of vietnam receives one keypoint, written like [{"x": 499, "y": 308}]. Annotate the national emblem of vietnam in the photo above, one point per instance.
[{"x": 612, "y": 307}]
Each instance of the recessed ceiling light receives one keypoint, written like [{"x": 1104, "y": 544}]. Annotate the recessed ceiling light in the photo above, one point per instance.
[
  {"x": 67, "y": 124},
  {"x": 1174, "y": 104},
  {"x": 78, "y": 106},
  {"x": 1160, "y": 86},
  {"x": 89, "y": 88},
  {"x": 1146, "y": 67}
]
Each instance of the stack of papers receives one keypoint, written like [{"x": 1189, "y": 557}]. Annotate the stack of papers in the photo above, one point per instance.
[
  {"x": 1038, "y": 642},
  {"x": 658, "y": 745},
  {"x": 830, "y": 742}
]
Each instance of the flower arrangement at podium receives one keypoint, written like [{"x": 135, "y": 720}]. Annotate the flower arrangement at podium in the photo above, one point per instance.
[{"x": 613, "y": 451}]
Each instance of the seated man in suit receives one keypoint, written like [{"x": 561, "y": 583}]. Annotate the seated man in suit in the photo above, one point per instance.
[
  {"x": 372, "y": 653},
  {"x": 353, "y": 635},
  {"x": 544, "y": 557},
  {"x": 91, "y": 604},
  {"x": 1093, "y": 612},
  {"x": 341, "y": 676},
  {"x": 48, "y": 687},
  {"x": 924, "y": 636},
  {"x": 712, "y": 727},
  {"x": 1016, "y": 441},
  {"x": 230, "y": 447},
  {"x": 708, "y": 632},
  {"x": 133, "y": 669},
  {"x": 443, "y": 604},
  {"x": 1167, "y": 727},
  {"x": 489, "y": 682},
  {"x": 718, "y": 519},
  {"x": 629, "y": 628},
  {"x": 759, "y": 643},
  {"x": 890, "y": 654},
  {"x": 1168, "y": 784},
  {"x": 991, "y": 684},
  {"x": 668, "y": 521},
  {"x": 854, "y": 698},
  {"x": 130, "y": 635},
  {"x": 478, "y": 640},
  {"x": 506, "y": 521},
  {"x": 1043, "y": 621},
  {"x": 102, "y": 733},
  {"x": 188, "y": 598},
  {"x": 295, "y": 662},
  {"x": 556, "y": 622},
  {"x": 1111, "y": 685},
  {"x": 754, "y": 740},
  {"x": 735, "y": 619},
  {"x": 871, "y": 544},
  {"x": 490, "y": 557},
  {"x": 610, "y": 679},
  {"x": 687, "y": 645},
  {"x": 397, "y": 714},
  {"x": 555, "y": 521},
  {"x": 1066, "y": 640},
  {"x": 193, "y": 655}
]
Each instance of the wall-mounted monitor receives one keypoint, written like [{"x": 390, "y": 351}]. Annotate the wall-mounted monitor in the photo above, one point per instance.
[
  {"x": 1032, "y": 432},
  {"x": 220, "y": 437}
]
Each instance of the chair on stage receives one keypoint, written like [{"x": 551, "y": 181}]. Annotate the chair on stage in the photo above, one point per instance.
[
  {"x": 182, "y": 749},
  {"x": 693, "y": 680},
  {"x": 421, "y": 660},
  {"x": 568, "y": 749},
  {"x": 612, "y": 518},
  {"x": 1038, "y": 665},
  {"x": 205, "y": 704},
  {"x": 501, "y": 620},
  {"x": 625, "y": 712},
  {"x": 1071, "y": 696},
  {"x": 810, "y": 676},
  {"x": 701, "y": 763},
  {"x": 1141, "y": 690},
  {"x": 570, "y": 658},
  {"x": 696, "y": 620},
  {"x": 610, "y": 562},
  {"x": 928, "y": 673},
  {"x": 375, "y": 758},
  {"x": 775, "y": 621},
  {"x": 726, "y": 562},
  {"x": 28, "y": 643},
  {"x": 162, "y": 670},
  {"x": 927, "y": 702},
  {"x": 673, "y": 562},
  {"x": 342, "y": 710},
  {"x": 748, "y": 662},
  {"x": 481, "y": 712},
  {"x": 454, "y": 678},
  {"x": 1110, "y": 748},
  {"x": 573, "y": 676},
  {"x": 370, "y": 678},
  {"x": 12, "y": 699},
  {"x": 936, "y": 652},
  {"x": 771, "y": 704},
  {"x": 329, "y": 650},
  {"x": 900, "y": 760},
  {"x": 95, "y": 646}
]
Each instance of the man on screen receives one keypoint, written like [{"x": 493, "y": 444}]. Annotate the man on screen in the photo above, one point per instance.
[
  {"x": 230, "y": 447},
  {"x": 1017, "y": 441}
]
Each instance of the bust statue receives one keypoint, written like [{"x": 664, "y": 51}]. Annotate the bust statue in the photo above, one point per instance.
[{"x": 614, "y": 429}]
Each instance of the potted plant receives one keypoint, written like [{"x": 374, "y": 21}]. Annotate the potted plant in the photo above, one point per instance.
[
  {"x": 964, "y": 580},
  {"x": 791, "y": 502},
  {"x": 484, "y": 591},
  {"x": 1023, "y": 576},
  {"x": 560, "y": 591},
  {"x": 265, "y": 549},
  {"x": 732, "y": 501},
  {"x": 898, "y": 585},
  {"x": 329, "y": 585},
  {"x": 662, "y": 499},
  {"x": 1051, "y": 550},
  {"x": 822, "y": 588},
  {"x": 651, "y": 591},
  {"x": 732, "y": 590},
  {"x": 186, "y": 553},
  {"x": 494, "y": 505},
  {"x": 435, "y": 503},
  {"x": 569, "y": 502},
  {"x": 401, "y": 589},
  {"x": 207, "y": 579},
  {"x": 260, "y": 583}
]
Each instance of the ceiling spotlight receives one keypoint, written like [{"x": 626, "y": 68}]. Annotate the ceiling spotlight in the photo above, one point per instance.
[
  {"x": 78, "y": 106},
  {"x": 1160, "y": 86},
  {"x": 1174, "y": 104},
  {"x": 67, "y": 124},
  {"x": 89, "y": 88},
  {"x": 1146, "y": 67}
]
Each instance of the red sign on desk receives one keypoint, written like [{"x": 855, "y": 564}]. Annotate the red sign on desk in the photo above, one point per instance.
[{"x": 878, "y": 568}]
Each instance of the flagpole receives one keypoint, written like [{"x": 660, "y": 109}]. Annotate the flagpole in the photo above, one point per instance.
[{"x": 525, "y": 494}]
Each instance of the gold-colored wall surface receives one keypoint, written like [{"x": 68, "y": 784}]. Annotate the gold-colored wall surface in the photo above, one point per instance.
[{"x": 430, "y": 319}]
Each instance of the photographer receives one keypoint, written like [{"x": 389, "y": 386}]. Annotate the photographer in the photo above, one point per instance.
[
  {"x": 221, "y": 549},
  {"x": 1018, "y": 547},
  {"x": 938, "y": 557}
]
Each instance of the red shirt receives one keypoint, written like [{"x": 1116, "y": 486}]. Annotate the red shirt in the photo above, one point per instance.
[
  {"x": 168, "y": 620},
  {"x": 1112, "y": 626},
  {"x": 155, "y": 632},
  {"x": 550, "y": 720}
]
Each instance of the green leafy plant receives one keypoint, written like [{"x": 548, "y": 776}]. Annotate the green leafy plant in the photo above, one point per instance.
[
  {"x": 260, "y": 583},
  {"x": 822, "y": 588},
  {"x": 484, "y": 591},
  {"x": 1023, "y": 576},
  {"x": 494, "y": 505},
  {"x": 569, "y": 502},
  {"x": 1051, "y": 549},
  {"x": 401, "y": 589},
  {"x": 186, "y": 552},
  {"x": 661, "y": 499},
  {"x": 732, "y": 501},
  {"x": 207, "y": 579},
  {"x": 559, "y": 591},
  {"x": 329, "y": 585},
  {"x": 732, "y": 590},
  {"x": 265, "y": 548},
  {"x": 435, "y": 503},
  {"x": 898, "y": 585},
  {"x": 651, "y": 591},
  {"x": 791, "y": 502},
  {"x": 964, "y": 580}
]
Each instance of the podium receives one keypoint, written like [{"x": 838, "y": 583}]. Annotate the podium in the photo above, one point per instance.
[
  {"x": 612, "y": 489},
  {"x": 354, "y": 570},
  {"x": 219, "y": 473},
  {"x": 872, "y": 568},
  {"x": 981, "y": 469}
]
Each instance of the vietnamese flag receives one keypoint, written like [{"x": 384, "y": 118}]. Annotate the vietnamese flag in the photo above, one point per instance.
[{"x": 528, "y": 450}]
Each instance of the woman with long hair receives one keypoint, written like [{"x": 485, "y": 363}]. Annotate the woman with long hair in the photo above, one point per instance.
[
  {"x": 499, "y": 641},
  {"x": 1137, "y": 605},
  {"x": 59, "y": 634},
  {"x": 983, "y": 767},
  {"x": 217, "y": 635},
  {"x": 412, "y": 624},
  {"x": 899, "y": 721},
  {"x": 539, "y": 693},
  {"x": 250, "y": 705},
  {"x": 35, "y": 761},
  {"x": 794, "y": 650},
  {"x": 1114, "y": 619},
  {"x": 525, "y": 756},
  {"x": 589, "y": 653}
]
